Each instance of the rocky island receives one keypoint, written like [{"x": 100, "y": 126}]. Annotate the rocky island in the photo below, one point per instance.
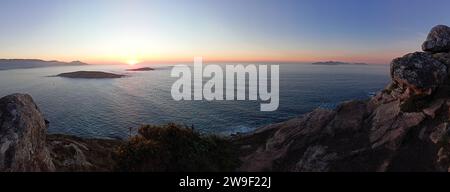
[
  {"x": 142, "y": 69},
  {"x": 404, "y": 127},
  {"x": 90, "y": 75}
]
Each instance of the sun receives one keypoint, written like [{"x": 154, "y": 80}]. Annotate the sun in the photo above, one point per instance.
[{"x": 132, "y": 62}]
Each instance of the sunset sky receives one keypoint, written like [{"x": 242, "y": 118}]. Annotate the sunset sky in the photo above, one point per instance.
[{"x": 119, "y": 31}]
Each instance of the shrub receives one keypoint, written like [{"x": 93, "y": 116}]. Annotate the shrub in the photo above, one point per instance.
[{"x": 173, "y": 147}]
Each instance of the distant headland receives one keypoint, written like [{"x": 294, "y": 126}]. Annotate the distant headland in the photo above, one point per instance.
[
  {"x": 337, "y": 63},
  {"x": 6, "y": 64}
]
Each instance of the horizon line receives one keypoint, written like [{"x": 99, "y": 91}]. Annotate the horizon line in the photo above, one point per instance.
[{"x": 190, "y": 61}]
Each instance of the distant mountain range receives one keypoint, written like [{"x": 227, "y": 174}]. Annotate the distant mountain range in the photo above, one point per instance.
[
  {"x": 6, "y": 64},
  {"x": 337, "y": 63}
]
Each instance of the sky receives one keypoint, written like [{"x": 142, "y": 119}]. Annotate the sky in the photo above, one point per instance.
[{"x": 121, "y": 31}]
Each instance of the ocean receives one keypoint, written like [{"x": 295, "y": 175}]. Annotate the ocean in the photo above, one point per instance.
[{"x": 110, "y": 108}]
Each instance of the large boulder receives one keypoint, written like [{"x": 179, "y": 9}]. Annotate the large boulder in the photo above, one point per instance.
[
  {"x": 438, "y": 40},
  {"x": 444, "y": 58},
  {"x": 418, "y": 72},
  {"x": 23, "y": 136}
]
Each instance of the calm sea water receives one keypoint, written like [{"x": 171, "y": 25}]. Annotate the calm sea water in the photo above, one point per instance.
[{"x": 107, "y": 108}]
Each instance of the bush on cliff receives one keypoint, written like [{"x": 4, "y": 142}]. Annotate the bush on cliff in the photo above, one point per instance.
[{"x": 173, "y": 147}]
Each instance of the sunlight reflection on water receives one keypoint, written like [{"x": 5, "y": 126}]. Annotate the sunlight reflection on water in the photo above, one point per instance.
[{"x": 106, "y": 108}]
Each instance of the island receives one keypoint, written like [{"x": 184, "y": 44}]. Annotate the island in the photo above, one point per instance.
[
  {"x": 6, "y": 64},
  {"x": 142, "y": 69},
  {"x": 90, "y": 75},
  {"x": 337, "y": 63}
]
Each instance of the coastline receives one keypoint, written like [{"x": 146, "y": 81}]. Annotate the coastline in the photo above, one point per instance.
[{"x": 404, "y": 127}]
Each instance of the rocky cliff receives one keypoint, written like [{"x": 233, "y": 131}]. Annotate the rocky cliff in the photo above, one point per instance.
[
  {"x": 405, "y": 127},
  {"x": 26, "y": 147},
  {"x": 22, "y": 136},
  {"x": 402, "y": 128}
]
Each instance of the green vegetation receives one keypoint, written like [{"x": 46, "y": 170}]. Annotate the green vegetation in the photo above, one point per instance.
[{"x": 173, "y": 147}]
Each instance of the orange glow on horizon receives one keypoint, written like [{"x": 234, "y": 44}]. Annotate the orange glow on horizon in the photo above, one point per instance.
[
  {"x": 235, "y": 60},
  {"x": 132, "y": 62},
  {"x": 232, "y": 57}
]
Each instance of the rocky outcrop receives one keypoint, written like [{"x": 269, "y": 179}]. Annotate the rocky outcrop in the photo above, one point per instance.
[
  {"x": 26, "y": 147},
  {"x": 438, "y": 40},
  {"x": 22, "y": 136},
  {"x": 403, "y": 128},
  {"x": 70, "y": 153},
  {"x": 418, "y": 73}
]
